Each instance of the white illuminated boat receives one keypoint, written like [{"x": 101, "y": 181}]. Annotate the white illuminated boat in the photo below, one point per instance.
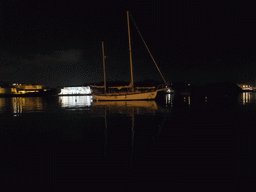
[{"x": 129, "y": 92}]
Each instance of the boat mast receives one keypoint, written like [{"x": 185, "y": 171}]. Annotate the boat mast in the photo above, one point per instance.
[
  {"x": 104, "y": 67},
  {"x": 130, "y": 51},
  {"x": 149, "y": 51}
]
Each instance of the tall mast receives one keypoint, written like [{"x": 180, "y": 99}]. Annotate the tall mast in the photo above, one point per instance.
[
  {"x": 130, "y": 50},
  {"x": 104, "y": 67}
]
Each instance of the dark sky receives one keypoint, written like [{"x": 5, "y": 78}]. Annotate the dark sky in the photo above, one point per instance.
[{"x": 59, "y": 44}]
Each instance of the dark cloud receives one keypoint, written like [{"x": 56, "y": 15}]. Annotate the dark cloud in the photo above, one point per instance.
[
  {"x": 8, "y": 58},
  {"x": 70, "y": 56}
]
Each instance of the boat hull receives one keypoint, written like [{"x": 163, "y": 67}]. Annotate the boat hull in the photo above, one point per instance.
[{"x": 125, "y": 96}]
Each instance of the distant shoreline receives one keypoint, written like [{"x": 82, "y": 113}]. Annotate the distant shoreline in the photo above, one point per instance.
[
  {"x": 74, "y": 95},
  {"x": 37, "y": 95}
]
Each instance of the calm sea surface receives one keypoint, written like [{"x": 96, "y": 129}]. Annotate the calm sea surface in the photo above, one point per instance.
[{"x": 176, "y": 143}]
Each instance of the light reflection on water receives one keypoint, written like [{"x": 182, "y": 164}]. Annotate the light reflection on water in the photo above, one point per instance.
[
  {"x": 124, "y": 107},
  {"x": 187, "y": 99},
  {"x": 246, "y": 98},
  {"x": 3, "y": 104},
  {"x": 71, "y": 102},
  {"x": 169, "y": 99},
  {"x": 129, "y": 140},
  {"x": 20, "y": 105}
]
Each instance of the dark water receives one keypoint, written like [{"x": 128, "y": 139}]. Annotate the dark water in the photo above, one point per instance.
[{"x": 178, "y": 143}]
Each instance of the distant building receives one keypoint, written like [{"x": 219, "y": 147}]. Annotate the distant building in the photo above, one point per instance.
[
  {"x": 246, "y": 87},
  {"x": 27, "y": 88},
  {"x": 7, "y": 90},
  {"x": 20, "y": 89}
]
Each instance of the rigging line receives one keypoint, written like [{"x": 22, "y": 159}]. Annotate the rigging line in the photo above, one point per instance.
[{"x": 148, "y": 50}]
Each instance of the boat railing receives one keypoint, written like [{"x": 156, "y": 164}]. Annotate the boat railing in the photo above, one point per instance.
[
  {"x": 138, "y": 88},
  {"x": 162, "y": 87}
]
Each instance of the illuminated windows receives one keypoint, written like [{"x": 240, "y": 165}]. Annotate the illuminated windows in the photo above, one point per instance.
[{"x": 75, "y": 90}]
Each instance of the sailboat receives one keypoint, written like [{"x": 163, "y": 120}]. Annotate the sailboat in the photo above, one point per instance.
[{"x": 128, "y": 92}]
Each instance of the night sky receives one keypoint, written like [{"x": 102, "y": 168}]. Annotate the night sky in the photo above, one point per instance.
[{"x": 59, "y": 44}]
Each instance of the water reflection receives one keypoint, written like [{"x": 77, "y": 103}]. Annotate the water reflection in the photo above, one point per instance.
[
  {"x": 119, "y": 135},
  {"x": 124, "y": 107},
  {"x": 178, "y": 99},
  {"x": 19, "y": 105},
  {"x": 120, "y": 127},
  {"x": 3, "y": 105},
  {"x": 75, "y": 102},
  {"x": 187, "y": 99},
  {"x": 26, "y": 104},
  {"x": 169, "y": 99},
  {"x": 247, "y": 98}
]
